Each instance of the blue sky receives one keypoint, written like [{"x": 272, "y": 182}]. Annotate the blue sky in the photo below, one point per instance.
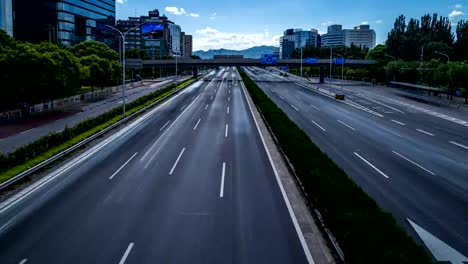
[{"x": 234, "y": 24}]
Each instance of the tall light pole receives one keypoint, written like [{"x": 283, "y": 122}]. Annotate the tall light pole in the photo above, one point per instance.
[
  {"x": 443, "y": 54},
  {"x": 342, "y": 68},
  {"x": 123, "y": 34},
  {"x": 301, "y": 63},
  {"x": 394, "y": 59},
  {"x": 331, "y": 63}
]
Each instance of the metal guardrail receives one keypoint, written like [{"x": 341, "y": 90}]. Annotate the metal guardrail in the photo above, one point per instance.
[{"x": 62, "y": 154}]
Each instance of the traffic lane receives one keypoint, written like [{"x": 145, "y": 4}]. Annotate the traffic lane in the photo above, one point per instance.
[
  {"x": 433, "y": 201},
  {"x": 264, "y": 225},
  {"x": 83, "y": 198}
]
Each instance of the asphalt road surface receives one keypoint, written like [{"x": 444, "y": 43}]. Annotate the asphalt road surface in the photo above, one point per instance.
[
  {"x": 189, "y": 182},
  {"x": 412, "y": 158},
  {"x": 27, "y": 136}
]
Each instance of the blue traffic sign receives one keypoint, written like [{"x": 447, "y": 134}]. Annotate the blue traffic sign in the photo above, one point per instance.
[
  {"x": 339, "y": 61},
  {"x": 310, "y": 61},
  {"x": 270, "y": 59}
]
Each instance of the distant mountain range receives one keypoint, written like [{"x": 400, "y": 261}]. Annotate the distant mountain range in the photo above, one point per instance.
[{"x": 251, "y": 53}]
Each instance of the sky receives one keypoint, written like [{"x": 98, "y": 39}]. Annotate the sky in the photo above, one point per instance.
[{"x": 237, "y": 25}]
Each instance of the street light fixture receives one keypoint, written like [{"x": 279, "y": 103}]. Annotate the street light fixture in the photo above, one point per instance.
[
  {"x": 443, "y": 54},
  {"x": 123, "y": 34},
  {"x": 342, "y": 69},
  {"x": 394, "y": 59}
]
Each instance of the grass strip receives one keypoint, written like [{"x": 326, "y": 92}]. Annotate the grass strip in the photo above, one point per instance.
[{"x": 365, "y": 232}]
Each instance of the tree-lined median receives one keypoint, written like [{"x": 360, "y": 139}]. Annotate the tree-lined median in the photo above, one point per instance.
[{"x": 364, "y": 231}]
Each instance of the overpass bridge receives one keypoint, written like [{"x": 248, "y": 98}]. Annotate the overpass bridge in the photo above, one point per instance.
[{"x": 217, "y": 62}]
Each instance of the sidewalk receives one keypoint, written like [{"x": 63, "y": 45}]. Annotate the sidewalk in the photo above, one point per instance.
[{"x": 22, "y": 132}]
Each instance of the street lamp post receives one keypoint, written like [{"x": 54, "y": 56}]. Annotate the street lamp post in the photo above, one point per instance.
[
  {"x": 301, "y": 63},
  {"x": 342, "y": 69},
  {"x": 443, "y": 54},
  {"x": 331, "y": 63},
  {"x": 123, "y": 34},
  {"x": 394, "y": 59}
]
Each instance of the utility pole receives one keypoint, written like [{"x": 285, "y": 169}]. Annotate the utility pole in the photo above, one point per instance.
[
  {"x": 331, "y": 63},
  {"x": 301, "y": 63}
]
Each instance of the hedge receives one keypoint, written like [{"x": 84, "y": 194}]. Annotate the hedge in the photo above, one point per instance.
[
  {"x": 47, "y": 146},
  {"x": 365, "y": 233}
]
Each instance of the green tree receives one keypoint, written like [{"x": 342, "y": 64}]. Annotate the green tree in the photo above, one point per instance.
[
  {"x": 461, "y": 45},
  {"x": 92, "y": 47}
]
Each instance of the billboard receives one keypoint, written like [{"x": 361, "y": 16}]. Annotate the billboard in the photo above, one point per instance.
[{"x": 152, "y": 31}]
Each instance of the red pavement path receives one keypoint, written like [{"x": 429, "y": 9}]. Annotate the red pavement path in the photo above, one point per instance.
[{"x": 17, "y": 126}]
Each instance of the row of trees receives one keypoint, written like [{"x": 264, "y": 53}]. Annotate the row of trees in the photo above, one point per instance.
[
  {"x": 33, "y": 73},
  {"x": 405, "y": 41}
]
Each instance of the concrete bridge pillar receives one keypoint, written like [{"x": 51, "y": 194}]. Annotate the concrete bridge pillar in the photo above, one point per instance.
[
  {"x": 195, "y": 72},
  {"x": 322, "y": 74}
]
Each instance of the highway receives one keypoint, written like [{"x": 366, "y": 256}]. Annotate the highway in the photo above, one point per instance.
[
  {"x": 188, "y": 182},
  {"x": 411, "y": 158},
  {"x": 90, "y": 110}
]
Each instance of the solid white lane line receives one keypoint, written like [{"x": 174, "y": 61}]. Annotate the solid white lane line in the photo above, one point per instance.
[
  {"x": 227, "y": 129},
  {"x": 282, "y": 98},
  {"x": 228, "y": 110},
  {"x": 298, "y": 97},
  {"x": 370, "y": 164},
  {"x": 398, "y": 122},
  {"x": 297, "y": 227},
  {"x": 23, "y": 261},
  {"x": 165, "y": 125},
  {"x": 393, "y": 133},
  {"x": 127, "y": 252},
  {"x": 346, "y": 125},
  {"x": 221, "y": 190},
  {"x": 458, "y": 144},
  {"x": 318, "y": 126},
  {"x": 316, "y": 108},
  {"x": 183, "y": 107},
  {"x": 206, "y": 107},
  {"x": 26, "y": 131},
  {"x": 195, "y": 128},
  {"x": 123, "y": 166},
  {"x": 295, "y": 108},
  {"x": 425, "y": 132},
  {"x": 229, "y": 99},
  {"x": 177, "y": 161},
  {"x": 412, "y": 162},
  {"x": 59, "y": 131},
  {"x": 229, "y": 91},
  {"x": 172, "y": 124}
]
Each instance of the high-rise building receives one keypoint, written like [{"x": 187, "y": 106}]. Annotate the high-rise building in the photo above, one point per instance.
[
  {"x": 133, "y": 37},
  {"x": 67, "y": 22},
  {"x": 187, "y": 46},
  {"x": 295, "y": 39},
  {"x": 174, "y": 40},
  {"x": 359, "y": 36},
  {"x": 6, "y": 16}
]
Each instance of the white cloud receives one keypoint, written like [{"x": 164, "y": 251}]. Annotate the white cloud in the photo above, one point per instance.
[
  {"x": 458, "y": 6},
  {"x": 327, "y": 23},
  {"x": 210, "y": 38},
  {"x": 213, "y": 16},
  {"x": 121, "y": 1},
  {"x": 379, "y": 22},
  {"x": 175, "y": 10},
  {"x": 194, "y": 15},
  {"x": 365, "y": 23},
  {"x": 456, "y": 13}
]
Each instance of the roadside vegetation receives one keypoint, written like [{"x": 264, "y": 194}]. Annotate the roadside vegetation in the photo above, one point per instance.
[
  {"x": 422, "y": 51},
  {"x": 46, "y": 147},
  {"x": 364, "y": 231}
]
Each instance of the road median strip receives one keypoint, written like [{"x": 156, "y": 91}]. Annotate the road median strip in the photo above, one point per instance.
[{"x": 365, "y": 233}]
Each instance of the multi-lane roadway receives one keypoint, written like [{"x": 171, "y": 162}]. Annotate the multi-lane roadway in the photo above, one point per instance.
[
  {"x": 411, "y": 157},
  {"x": 188, "y": 182}
]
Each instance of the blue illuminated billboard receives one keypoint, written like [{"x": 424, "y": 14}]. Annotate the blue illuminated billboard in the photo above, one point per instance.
[
  {"x": 270, "y": 59},
  {"x": 152, "y": 31}
]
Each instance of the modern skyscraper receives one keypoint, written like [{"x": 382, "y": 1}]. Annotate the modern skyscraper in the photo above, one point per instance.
[
  {"x": 359, "y": 36},
  {"x": 6, "y": 16},
  {"x": 188, "y": 46},
  {"x": 295, "y": 39},
  {"x": 67, "y": 22}
]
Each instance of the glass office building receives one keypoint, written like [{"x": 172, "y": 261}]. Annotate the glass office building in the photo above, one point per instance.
[
  {"x": 6, "y": 16},
  {"x": 67, "y": 22}
]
